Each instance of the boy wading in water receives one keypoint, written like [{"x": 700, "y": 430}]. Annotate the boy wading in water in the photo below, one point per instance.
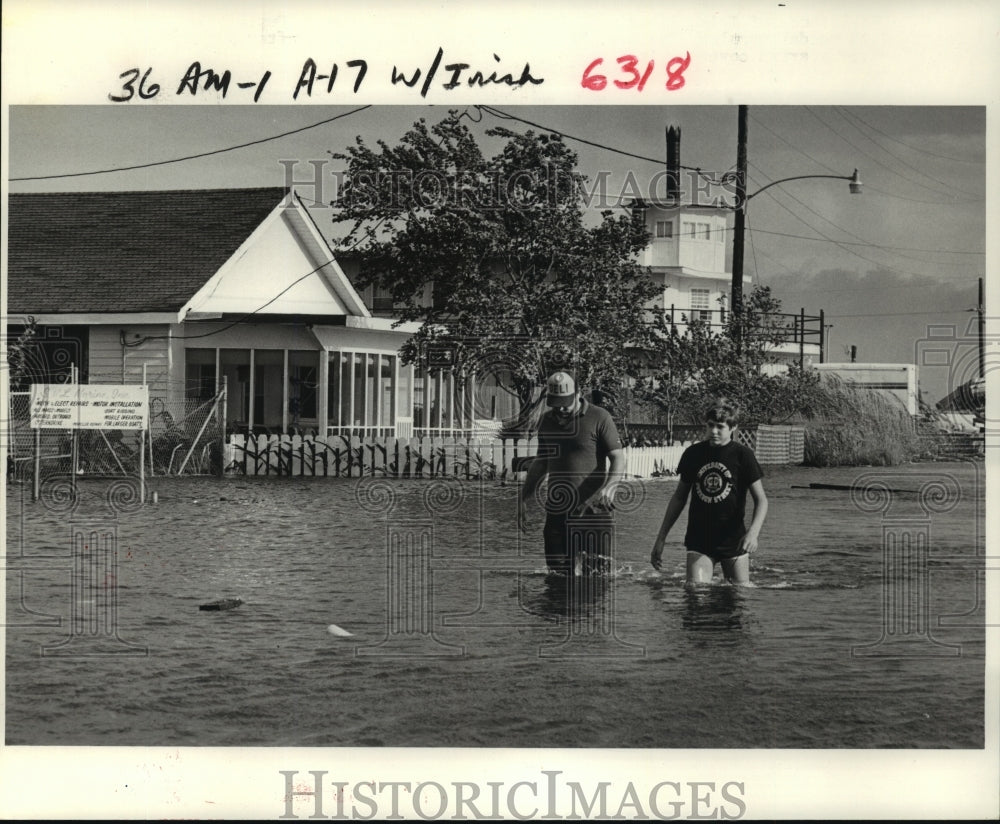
[{"x": 720, "y": 472}]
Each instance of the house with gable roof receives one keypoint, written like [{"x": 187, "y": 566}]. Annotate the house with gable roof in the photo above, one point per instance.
[{"x": 187, "y": 289}]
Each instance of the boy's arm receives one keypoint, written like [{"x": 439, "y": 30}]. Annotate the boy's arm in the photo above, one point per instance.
[
  {"x": 674, "y": 509},
  {"x": 749, "y": 542}
]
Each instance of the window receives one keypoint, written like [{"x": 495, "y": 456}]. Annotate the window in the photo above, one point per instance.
[
  {"x": 361, "y": 389},
  {"x": 696, "y": 231},
  {"x": 699, "y": 305},
  {"x": 266, "y": 389},
  {"x": 664, "y": 229},
  {"x": 200, "y": 374},
  {"x": 439, "y": 295},
  {"x": 268, "y": 374},
  {"x": 382, "y": 302},
  {"x": 303, "y": 383},
  {"x": 234, "y": 365},
  {"x": 60, "y": 354}
]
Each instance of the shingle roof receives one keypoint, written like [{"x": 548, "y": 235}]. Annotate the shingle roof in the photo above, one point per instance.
[{"x": 124, "y": 251}]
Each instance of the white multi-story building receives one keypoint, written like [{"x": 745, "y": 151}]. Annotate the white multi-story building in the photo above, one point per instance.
[{"x": 691, "y": 236}]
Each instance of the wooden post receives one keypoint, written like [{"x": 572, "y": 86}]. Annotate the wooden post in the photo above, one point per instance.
[
  {"x": 739, "y": 225},
  {"x": 142, "y": 435},
  {"x": 802, "y": 338},
  {"x": 142, "y": 467},
  {"x": 36, "y": 485},
  {"x": 74, "y": 441},
  {"x": 981, "y": 310},
  {"x": 822, "y": 337}
]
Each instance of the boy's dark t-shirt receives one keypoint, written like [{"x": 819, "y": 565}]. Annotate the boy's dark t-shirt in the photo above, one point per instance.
[{"x": 720, "y": 477}]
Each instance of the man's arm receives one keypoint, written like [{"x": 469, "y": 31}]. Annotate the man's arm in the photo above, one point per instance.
[
  {"x": 674, "y": 509},
  {"x": 605, "y": 496},
  {"x": 538, "y": 468}
]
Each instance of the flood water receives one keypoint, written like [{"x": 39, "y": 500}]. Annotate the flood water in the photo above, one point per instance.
[{"x": 864, "y": 627}]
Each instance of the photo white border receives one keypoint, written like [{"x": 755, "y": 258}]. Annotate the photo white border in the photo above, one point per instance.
[{"x": 871, "y": 52}]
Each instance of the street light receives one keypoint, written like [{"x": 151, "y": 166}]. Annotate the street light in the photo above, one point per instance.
[
  {"x": 742, "y": 198},
  {"x": 855, "y": 182}
]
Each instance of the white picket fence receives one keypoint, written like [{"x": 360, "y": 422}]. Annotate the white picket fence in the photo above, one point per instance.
[{"x": 343, "y": 456}]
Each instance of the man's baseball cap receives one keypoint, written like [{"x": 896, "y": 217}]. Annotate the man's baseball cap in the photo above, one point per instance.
[{"x": 560, "y": 390}]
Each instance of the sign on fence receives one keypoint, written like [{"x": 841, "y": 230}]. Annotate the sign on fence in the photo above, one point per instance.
[{"x": 89, "y": 406}]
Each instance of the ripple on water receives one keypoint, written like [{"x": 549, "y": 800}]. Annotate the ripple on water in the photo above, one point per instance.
[{"x": 513, "y": 668}]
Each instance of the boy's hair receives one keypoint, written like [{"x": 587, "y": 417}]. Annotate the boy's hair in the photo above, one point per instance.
[{"x": 722, "y": 410}]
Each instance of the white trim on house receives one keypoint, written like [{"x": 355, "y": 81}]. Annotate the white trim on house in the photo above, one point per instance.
[
  {"x": 384, "y": 324},
  {"x": 330, "y": 293},
  {"x": 99, "y": 319},
  {"x": 321, "y": 248}
]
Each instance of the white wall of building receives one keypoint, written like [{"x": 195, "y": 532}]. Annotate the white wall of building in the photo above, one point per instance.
[{"x": 898, "y": 380}]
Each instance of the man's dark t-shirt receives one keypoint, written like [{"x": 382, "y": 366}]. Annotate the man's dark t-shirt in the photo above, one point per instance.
[
  {"x": 577, "y": 454},
  {"x": 720, "y": 477}
]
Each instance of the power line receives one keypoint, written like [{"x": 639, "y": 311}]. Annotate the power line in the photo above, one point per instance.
[
  {"x": 190, "y": 157},
  {"x": 899, "y": 314},
  {"x": 793, "y": 146},
  {"x": 844, "y": 246},
  {"x": 238, "y": 321},
  {"x": 856, "y": 116},
  {"x": 896, "y": 157},
  {"x": 883, "y": 165},
  {"x": 753, "y": 252},
  {"x": 938, "y": 201},
  {"x": 504, "y": 116},
  {"x": 869, "y": 187},
  {"x": 658, "y": 160},
  {"x": 908, "y": 287},
  {"x": 869, "y": 245}
]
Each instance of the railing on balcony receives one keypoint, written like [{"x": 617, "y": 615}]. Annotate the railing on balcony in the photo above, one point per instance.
[{"x": 797, "y": 330}]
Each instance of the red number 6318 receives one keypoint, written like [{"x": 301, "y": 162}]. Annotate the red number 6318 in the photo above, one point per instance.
[{"x": 633, "y": 78}]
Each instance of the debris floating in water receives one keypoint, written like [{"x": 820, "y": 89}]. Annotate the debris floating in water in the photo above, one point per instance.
[
  {"x": 333, "y": 629},
  {"x": 224, "y": 603},
  {"x": 851, "y": 488}
]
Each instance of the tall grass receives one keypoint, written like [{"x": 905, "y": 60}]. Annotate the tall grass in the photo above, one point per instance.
[{"x": 849, "y": 425}]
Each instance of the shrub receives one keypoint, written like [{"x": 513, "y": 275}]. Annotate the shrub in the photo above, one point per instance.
[{"x": 854, "y": 426}]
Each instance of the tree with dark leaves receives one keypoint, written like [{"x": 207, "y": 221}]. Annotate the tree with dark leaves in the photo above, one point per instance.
[{"x": 496, "y": 257}]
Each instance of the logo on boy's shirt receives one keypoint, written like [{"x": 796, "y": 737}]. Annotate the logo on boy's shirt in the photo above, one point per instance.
[{"x": 714, "y": 482}]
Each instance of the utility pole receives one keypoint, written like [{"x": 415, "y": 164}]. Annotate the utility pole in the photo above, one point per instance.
[
  {"x": 981, "y": 309},
  {"x": 739, "y": 227}
]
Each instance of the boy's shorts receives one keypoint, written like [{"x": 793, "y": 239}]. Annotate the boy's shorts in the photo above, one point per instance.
[{"x": 718, "y": 554}]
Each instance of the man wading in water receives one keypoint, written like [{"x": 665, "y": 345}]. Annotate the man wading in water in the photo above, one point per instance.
[{"x": 576, "y": 442}]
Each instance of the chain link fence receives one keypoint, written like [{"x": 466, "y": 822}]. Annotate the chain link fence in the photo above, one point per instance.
[{"x": 186, "y": 430}]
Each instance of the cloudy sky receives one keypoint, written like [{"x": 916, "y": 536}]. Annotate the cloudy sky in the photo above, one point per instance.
[{"x": 895, "y": 270}]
